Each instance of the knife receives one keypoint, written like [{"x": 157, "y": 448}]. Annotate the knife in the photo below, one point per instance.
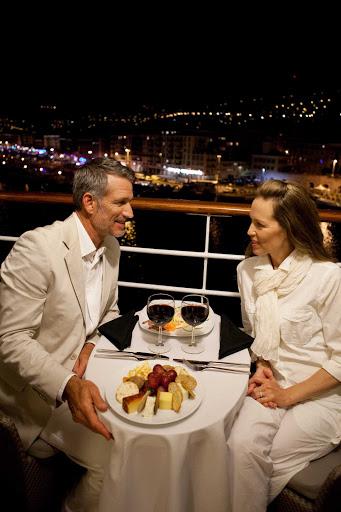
[
  {"x": 195, "y": 361},
  {"x": 123, "y": 352}
]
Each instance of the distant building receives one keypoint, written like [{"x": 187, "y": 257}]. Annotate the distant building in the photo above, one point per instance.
[
  {"x": 274, "y": 161},
  {"x": 308, "y": 157},
  {"x": 91, "y": 148},
  {"x": 155, "y": 152},
  {"x": 52, "y": 141}
]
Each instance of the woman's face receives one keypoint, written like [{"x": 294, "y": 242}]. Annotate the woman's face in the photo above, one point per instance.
[{"x": 267, "y": 236}]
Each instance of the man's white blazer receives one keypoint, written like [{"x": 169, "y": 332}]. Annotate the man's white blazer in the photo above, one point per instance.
[{"x": 42, "y": 319}]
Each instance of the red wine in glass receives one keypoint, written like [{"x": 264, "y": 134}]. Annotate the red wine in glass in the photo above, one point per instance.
[
  {"x": 160, "y": 311},
  {"x": 194, "y": 311},
  {"x": 160, "y": 314},
  {"x": 194, "y": 314}
]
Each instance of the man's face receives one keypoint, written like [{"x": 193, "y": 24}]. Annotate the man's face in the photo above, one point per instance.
[{"x": 112, "y": 211}]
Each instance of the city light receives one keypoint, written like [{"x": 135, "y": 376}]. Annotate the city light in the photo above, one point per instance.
[{"x": 184, "y": 171}]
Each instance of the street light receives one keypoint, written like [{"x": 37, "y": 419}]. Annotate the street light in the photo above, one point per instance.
[
  {"x": 128, "y": 156},
  {"x": 334, "y": 163}
]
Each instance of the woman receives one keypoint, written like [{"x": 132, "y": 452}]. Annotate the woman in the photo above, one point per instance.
[{"x": 291, "y": 302}]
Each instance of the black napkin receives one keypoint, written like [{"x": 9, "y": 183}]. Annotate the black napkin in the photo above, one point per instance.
[
  {"x": 232, "y": 339},
  {"x": 119, "y": 330}
]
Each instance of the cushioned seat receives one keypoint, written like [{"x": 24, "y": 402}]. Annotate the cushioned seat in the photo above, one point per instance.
[
  {"x": 317, "y": 488},
  {"x": 309, "y": 481},
  {"x": 29, "y": 484}
]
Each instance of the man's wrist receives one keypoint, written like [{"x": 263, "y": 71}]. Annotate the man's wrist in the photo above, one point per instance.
[
  {"x": 69, "y": 385},
  {"x": 60, "y": 394}
]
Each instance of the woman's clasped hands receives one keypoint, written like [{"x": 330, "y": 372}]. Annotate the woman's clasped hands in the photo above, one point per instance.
[{"x": 264, "y": 388}]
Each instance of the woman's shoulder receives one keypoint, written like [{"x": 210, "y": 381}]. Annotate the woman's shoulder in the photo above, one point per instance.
[
  {"x": 326, "y": 267},
  {"x": 325, "y": 274},
  {"x": 252, "y": 262}
]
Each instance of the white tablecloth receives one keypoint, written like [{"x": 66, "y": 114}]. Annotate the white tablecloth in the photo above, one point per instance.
[{"x": 180, "y": 467}]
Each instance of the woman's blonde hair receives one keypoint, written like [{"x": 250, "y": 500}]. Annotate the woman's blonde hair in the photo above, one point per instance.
[{"x": 297, "y": 214}]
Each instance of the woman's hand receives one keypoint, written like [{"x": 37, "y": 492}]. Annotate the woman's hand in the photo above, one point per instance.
[
  {"x": 259, "y": 377},
  {"x": 267, "y": 391}
]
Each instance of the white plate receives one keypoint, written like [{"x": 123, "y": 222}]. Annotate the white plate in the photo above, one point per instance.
[
  {"x": 201, "y": 330},
  {"x": 162, "y": 417}
]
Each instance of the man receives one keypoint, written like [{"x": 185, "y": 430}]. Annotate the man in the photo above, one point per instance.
[{"x": 58, "y": 284}]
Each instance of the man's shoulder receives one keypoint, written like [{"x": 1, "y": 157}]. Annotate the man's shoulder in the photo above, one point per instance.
[
  {"x": 44, "y": 239},
  {"x": 50, "y": 230},
  {"x": 112, "y": 243}
]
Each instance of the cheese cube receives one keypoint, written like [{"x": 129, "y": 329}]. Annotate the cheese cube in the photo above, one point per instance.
[{"x": 165, "y": 400}]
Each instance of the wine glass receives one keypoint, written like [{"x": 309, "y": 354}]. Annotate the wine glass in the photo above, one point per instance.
[
  {"x": 160, "y": 311},
  {"x": 194, "y": 311}
]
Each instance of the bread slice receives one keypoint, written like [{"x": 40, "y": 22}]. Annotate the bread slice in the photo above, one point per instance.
[{"x": 127, "y": 388}]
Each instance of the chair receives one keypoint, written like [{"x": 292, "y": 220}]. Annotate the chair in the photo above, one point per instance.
[
  {"x": 29, "y": 484},
  {"x": 317, "y": 488}
]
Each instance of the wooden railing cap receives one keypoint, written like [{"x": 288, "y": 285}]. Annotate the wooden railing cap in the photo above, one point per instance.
[{"x": 158, "y": 204}]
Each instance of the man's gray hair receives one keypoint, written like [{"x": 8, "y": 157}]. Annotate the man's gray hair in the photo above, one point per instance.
[{"x": 93, "y": 177}]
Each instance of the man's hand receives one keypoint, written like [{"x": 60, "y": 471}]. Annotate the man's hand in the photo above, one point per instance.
[
  {"x": 82, "y": 397},
  {"x": 82, "y": 360}
]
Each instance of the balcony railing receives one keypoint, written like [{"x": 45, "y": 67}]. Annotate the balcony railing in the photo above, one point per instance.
[{"x": 205, "y": 208}]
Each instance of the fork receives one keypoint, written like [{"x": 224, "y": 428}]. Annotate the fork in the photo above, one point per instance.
[
  {"x": 127, "y": 356},
  {"x": 199, "y": 367}
]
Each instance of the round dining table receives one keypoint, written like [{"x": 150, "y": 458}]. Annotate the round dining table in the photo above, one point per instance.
[{"x": 177, "y": 466}]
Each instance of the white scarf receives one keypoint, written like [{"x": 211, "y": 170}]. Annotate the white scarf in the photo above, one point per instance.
[{"x": 268, "y": 286}]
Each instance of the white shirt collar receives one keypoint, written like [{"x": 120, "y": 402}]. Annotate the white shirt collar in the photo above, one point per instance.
[
  {"x": 265, "y": 263},
  {"x": 88, "y": 248}
]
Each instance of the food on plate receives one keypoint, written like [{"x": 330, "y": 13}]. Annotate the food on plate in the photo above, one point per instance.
[
  {"x": 177, "y": 400},
  {"x": 190, "y": 391},
  {"x": 187, "y": 381},
  {"x": 156, "y": 405},
  {"x": 172, "y": 374},
  {"x": 163, "y": 387},
  {"x": 165, "y": 400},
  {"x": 165, "y": 380},
  {"x": 127, "y": 388},
  {"x": 185, "y": 393},
  {"x": 167, "y": 367},
  {"x": 158, "y": 368},
  {"x": 173, "y": 386},
  {"x": 154, "y": 379},
  {"x": 148, "y": 410},
  {"x": 143, "y": 401},
  {"x": 142, "y": 370},
  {"x": 180, "y": 370},
  {"x": 176, "y": 323},
  {"x": 131, "y": 403},
  {"x": 138, "y": 380}
]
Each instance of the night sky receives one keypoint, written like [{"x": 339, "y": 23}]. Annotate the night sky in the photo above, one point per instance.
[
  {"x": 82, "y": 91},
  {"x": 121, "y": 58},
  {"x": 158, "y": 67}
]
